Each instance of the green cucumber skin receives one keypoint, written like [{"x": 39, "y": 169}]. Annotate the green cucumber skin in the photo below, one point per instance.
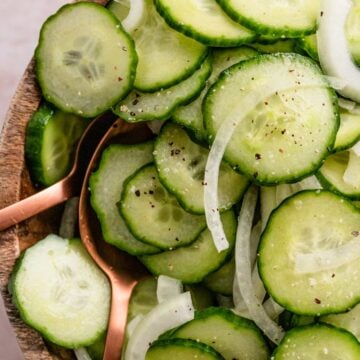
[
  {"x": 160, "y": 85},
  {"x": 107, "y": 233},
  {"x": 235, "y": 322},
  {"x": 188, "y": 343},
  {"x": 191, "y": 32},
  {"x": 329, "y": 186},
  {"x": 247, "y": 172},
  {"x": 166, "y": 115},
  {"x": 311, "y": 327},
  {"x": 198, "y": 277},
  {"x": 40, "y": 65},
  {"x": 262, "y": 29},
  {"x": 34, "y": 136},
  {"x": 288, "y": 306},
  {"x": 29, "y": 322}
]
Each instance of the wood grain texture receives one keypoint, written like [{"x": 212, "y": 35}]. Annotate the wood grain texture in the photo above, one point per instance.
[{"x": 15, "y": 184}]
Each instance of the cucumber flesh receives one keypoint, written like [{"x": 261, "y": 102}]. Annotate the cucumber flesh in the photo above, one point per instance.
[
  {"x": 56, "y": 285},
  {"x": 78, "y": 67},
  {"x": 166, "y": 57},
  {"x": 181, "y": 349},
  {"x": 276, "y": 18},
  {"x": 232, "y": 336},
  {"x": 154, "y": 216},
  {"x": 139, "y": 106},
  {"x": 49, "y": 143},
  {"x": 192, "y": 263},
  {"x": 298, "y": 124},
  {"x": 117, "y": 163},
  {"x": 285, "y": 238},
  {"x": 317, "y": 341},
  {"x": 181, "y": 166}
]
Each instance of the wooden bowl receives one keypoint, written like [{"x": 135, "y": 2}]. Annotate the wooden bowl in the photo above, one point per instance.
[{"x": 15, "y": 184}]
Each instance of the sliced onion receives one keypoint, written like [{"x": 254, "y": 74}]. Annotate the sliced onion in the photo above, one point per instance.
[
  {"x": 329, "y": 258},
  {"x": 225, "y": 301},
  {"x": 310, "y": 183},
  {"x": 82, "y": 354},
  {"x": 222, "y": 138},
  {"x": 254, "y": 242},
  {"x": 243, "y": 273},
  {"x": 136, "y": 12},
  {"x": 167, "y": 288},
  {"x": 356, "y": 148},
  {"x": 334, "y": 54},
  {"x": 272, "y": 308},
  {"x": 132, "y": 325},
  {"x": 346, "y": 104},
  {"x": 165, "y": 316},
  {"x": 282, "y": 192},
  {"x": 268, "y": 203}
]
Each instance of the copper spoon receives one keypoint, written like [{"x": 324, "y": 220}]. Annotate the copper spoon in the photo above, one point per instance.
[
  {"x": 123, "y": 270},
  {"x": 66, "y": 188}
]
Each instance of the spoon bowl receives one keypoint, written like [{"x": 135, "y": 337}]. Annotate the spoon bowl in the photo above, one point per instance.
[{"x": 123, "y": 270}]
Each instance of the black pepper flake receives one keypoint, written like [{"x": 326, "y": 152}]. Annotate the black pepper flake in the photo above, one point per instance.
[
  {"x": 283, "y": 131},
  {"x": 124, "y": 48},
  {"x": 317, "y": 301},
  {"x": 137, "y": 193},
  {"x": 332, "y": 275},
  {"x": 321, "y": 13},
  {"x": 355, "y": 233},
  {"x": 137, "y": 95},
  {"x": 176, "y": 239},
  {"x": 281, "y": 151},
  {"x": 132, "y": 113},
  {"x": 175, "y": 152},
  {"x": 135, "y": 102},
  {"x": 257, "y": 156},
  {"x": 266, "y": 103},
  {"x": 151, "y": 192},
  {"x": 203, "y": 183},
  {"x": 120, "y": 78},
  {"x": 171, "y": 143}
]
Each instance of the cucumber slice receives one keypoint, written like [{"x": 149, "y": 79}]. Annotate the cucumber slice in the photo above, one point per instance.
[
  {"x": 231, "y": 335},
  {"x": 192, "y": 263},
  {"x": 331, "y": 174},
  {"x": 166, "y": 57},
  {"x": 221, "y": 281},
  {"x": 117, "y": 163},
  {"x": 154, "y": 216},
  {"x": 327, "y": 221},
  {"x": 49, "y": 143},
  {"x": 203, "y": 21},
  {"x": 143, "y": 298},
  {"x": 285, "y": 18},
  {"x": 79, "y": 67},
  {"x": 181, "y": 166},
  {"x": 317, "y": 341},
  {"x": 190, "y": 115},
  {"x": 299, "y": 124},
  {"x": 181, "y": 349},
  {"x": 55, "y": 285},
  {"x": 349, "y": 130},
  {"x": 349, "y": 321},
  {"x": 138, "y": 106}
]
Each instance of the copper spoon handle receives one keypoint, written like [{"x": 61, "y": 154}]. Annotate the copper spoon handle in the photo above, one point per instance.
[
  {"x": 35, "y": 204},
  {"x": 120, "y": 298}
]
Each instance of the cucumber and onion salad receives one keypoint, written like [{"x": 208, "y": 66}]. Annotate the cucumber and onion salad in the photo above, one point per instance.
[{"x": 244, "y": 198}]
